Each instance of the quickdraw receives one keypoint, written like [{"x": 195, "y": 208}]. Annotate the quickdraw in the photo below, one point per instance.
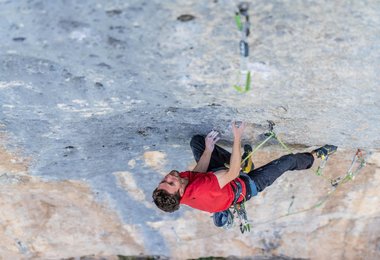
[
  {"x": 248, "y": 151},
  {"x": 357, "y": 164},
  {"x": 238, "y": 209},
  {"x": 225, "y": 219},
  {"x": 243, "y": 27},
  {"x": 270, "y": 134},
  {"x": 321, "y": 167}
]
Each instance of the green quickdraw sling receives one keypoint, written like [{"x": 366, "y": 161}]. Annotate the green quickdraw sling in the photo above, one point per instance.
[
  {"x": 238, "y": 209},
  {"x": 357, "y": 164},
  {"x": 244, "y": 82}
]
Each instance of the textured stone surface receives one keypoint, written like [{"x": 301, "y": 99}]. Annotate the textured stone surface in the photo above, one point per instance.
[
  {"x": 344, "y": 227},
  {"x": 42, "y": 219},
  {"x": 100, "y": 99}
]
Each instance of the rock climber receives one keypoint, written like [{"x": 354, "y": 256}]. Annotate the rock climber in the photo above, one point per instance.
[{"x": 212, "y": 187}]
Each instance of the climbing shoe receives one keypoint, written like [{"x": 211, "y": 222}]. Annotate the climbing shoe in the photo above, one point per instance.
[
  {"x": 325, "y": 151},
  {"x": 248, "y": 164}
]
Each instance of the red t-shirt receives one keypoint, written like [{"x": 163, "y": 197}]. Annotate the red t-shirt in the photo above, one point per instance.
[{"x": 203, "y": 192}]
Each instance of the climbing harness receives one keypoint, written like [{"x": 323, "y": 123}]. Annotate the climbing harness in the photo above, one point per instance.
[
  {"x": 238, "y": 210},
  {"x": 244, "y": 27},
  {"x": 225, "y": 219}
]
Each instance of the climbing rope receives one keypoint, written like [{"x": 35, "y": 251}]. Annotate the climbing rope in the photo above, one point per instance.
[
  {"x": 357, "y": 164},
  {"x": 271, "y": 134},
  {"x": 238, "y": 209}
]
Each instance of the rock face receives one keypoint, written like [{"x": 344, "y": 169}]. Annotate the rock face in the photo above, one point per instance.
[
  {"x": 99, "y": 101},
  {"x": 42, "y": 219},
  {"x": 285, "y": 222}
]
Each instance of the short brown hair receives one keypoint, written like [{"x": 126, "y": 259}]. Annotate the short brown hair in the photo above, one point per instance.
[{"x": 166, "y": 201}]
